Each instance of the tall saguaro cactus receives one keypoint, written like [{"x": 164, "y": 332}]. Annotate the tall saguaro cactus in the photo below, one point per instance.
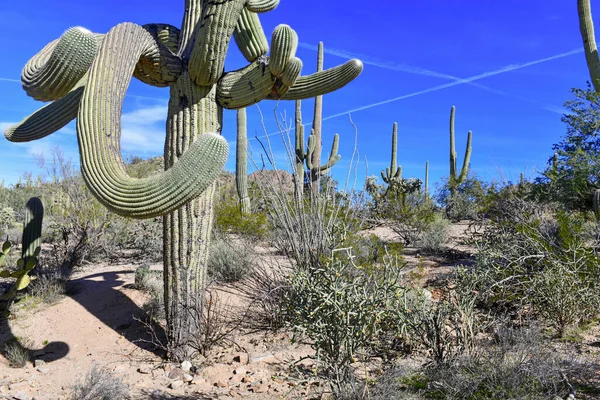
[
  {"x": 317, "y": 128},
  {"x": 426, "y": 179},
  {"x": 393, "y": 173},
  {"x": 455, "y": 181},
  {"x": 241, "y": 162},
  {"x": 307, "y": 156},
  {"x": 87, "y": 76},
  {"x": 586, "y": 26}
]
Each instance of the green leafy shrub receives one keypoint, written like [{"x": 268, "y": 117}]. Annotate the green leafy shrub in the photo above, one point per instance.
[
  {"x": 435, "y": 235},
  {"x": 229, "y": 218},
  {"x": 229, "y": 258}
]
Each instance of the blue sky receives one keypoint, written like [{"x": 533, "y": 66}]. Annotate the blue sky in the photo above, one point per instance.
[{"x": 507, "y": 66}]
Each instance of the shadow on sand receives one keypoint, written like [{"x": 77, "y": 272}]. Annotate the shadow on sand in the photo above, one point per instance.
[{"x": 99, "y": 295}]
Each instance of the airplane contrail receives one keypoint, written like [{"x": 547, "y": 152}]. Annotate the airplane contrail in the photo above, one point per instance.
[
  {"x": 508, "y": 68},
  {"x": 10, "y": 80},
  {"x": 425, "y": 72}
]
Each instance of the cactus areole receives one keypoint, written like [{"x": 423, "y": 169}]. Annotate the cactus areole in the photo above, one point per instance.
[{"x": 86, "y": 76}]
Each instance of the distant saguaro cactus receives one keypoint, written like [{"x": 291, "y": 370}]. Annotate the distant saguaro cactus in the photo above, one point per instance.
[
  {"x": 393, "y": 174},
  {"x": 456, "y": 181},
  {"x": 87, "y": 76}
]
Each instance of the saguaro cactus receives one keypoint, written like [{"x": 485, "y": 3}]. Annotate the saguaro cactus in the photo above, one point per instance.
[
  {"x": 317, "y": 128},
  {"x": 31, "y": 246},
  {"x": 586, "y": 26},
  {"x": 596, "y": 201},
  {"x": 393, "y": 173},
  {"x": 426, "y": 179},
  {"x": 241, "y": 162},
  {"x": 455, "y": 181},
  {"x": 307, "y": 156},
  {"x": 87, "y": 76}
]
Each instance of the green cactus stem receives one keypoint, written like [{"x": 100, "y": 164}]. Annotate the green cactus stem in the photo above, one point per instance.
[
  {"x": 586, "y": 26},
  {"x": 31, "y": 246},
  {"x": 305, "y": 156},
  {"x": 190, "y": 61},
  {"x": 393, "y": 173},
  {"x": 241, "y": 162},
  {"x": 426, "y": 179},
  {"x": 317, "y": 127},
  {"x": 455, "y": 181}
]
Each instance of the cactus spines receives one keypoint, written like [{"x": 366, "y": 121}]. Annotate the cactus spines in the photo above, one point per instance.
[
  {"x": 454, "y": 180},
  {"x": 241, "y": 162},
  {"x": 190, "y": 61},
  {"x": 586, "y": 26},
  {"x": 393, "y": 173}
]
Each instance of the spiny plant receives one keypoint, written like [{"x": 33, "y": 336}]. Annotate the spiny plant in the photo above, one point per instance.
[
  {"x": 426, "y": 179},
  {"x": 455, "y": 181},
  {"x": 393, "y": 174},
  {"x": 87, "y": 75},
  {"x": 241, "y": 162},
  {"x": 596, "y": 201},
  {"x": 31, "y": 242}
]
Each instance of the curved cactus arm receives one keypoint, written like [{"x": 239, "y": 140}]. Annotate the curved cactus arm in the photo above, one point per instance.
[
  {"x": 467, "y": 159},
  {"x": 278, "y": 75},
  {"x": 322, "y": 82},
  {"x": 159, "y": 65},
  {"x": 250, "y": 37},
  {"x": 99, "y": 132},
  {"x": 59, "y": 66},
  {"x": 211, "y": 40},
  {"x": 261, "y": 6},
  {"x": 586, "y": 26},
  {"x": 334, "y": 157},
  {"x": 49, "y": 118}
]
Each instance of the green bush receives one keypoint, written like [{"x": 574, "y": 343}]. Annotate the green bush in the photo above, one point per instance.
[
  {"x": 230, "y": 259},
  {"x": 100, "y": 384},
  {"x": 229, "y": 219},
  {"x": 435, "y": 235}
]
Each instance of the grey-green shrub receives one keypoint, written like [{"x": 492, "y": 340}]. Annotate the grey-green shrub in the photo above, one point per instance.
[{"x": 100, "y": 384}]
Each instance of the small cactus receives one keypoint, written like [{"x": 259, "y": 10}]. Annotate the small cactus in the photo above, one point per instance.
[
  {"x": 426, "y": 179},
  {"x": 32, "y": 232}
]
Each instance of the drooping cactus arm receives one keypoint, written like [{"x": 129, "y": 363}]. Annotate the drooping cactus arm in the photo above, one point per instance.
[
  {"x": 99, "y": 132},
  {"x": 211, "y": 40},
  {"x": 160, "y": 65},
  {"x": 59, "y": 66},
  {"x": 250, "y": 37},
  {"x": 49, "y": 118}
]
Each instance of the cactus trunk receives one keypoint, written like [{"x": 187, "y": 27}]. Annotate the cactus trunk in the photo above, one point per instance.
[
  {"x": 586, "y": 26},
  {"x": 317, "y": 130},
  {"x": 241, "y": 162}
]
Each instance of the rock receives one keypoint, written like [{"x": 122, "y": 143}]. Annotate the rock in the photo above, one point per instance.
[
  {"x": 187, "y": 378},
  {"x": 240, "y": 371},
  {"x": 43, "y": 370},
  {"x": 176, "y": 384},
  {"x": 247, "y": 379},
  {"x": 145, "y": 369},
  {"x": 266, "y": 358},
  {"x": 221, "y": 384},
  {"x": 176, "y": 373},
  {"x": 186, "y": 366},
  {"x": 38, "y": 363},
  {"x": 241, "y": 358},
  {"x": 260, "y": 388},
  {"x": 198, "y": 380},
  {"x": 19, "y": 386},
  {"x": 21, "y": 396}
]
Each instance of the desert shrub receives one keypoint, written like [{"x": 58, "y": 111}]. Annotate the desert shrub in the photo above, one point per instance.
[
  {"x": 144, "y": 236},
  {"x": 368, "y": 250},
  {"x": 435, "y": 235},
  {"x": 230, "y": 219},
  {"x": 344, "y": 313},
  {"x": 466, "y": 200},
  {"x": 7, "y": 218},
  {"x": 16, "y": 351},
  {"x": 445, "y": 328},
  {"x": 50, "y": 283},
  {"x": 515, "y": 364},
  {"x": 100, "y": 384},
  {"x": 151, "y": 282},
  {"x": 525, "y": 262},
  {"x": 229, "y": 258}
]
